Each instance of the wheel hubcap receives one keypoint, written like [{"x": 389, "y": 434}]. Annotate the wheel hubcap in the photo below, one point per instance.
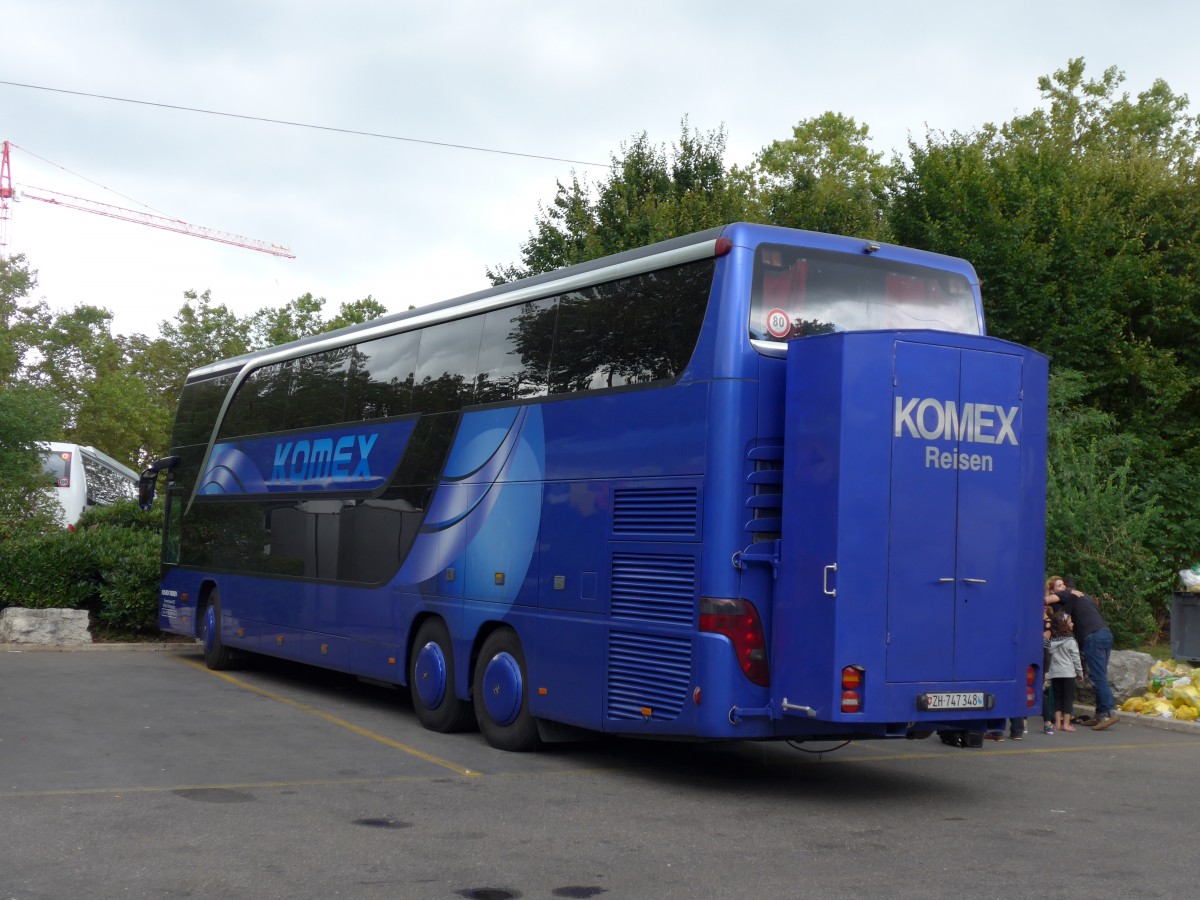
[
  {"x": 430, "y": 675},
  {"x": 502, "y": 687},
  {"x": 210, "y": 627}
]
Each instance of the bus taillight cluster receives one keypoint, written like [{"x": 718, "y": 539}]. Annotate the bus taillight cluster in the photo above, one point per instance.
[{"x": 738, "y": 620}]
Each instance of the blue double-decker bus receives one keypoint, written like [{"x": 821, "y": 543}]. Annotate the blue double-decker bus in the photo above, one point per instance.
[{"x": 752, "y": 483}]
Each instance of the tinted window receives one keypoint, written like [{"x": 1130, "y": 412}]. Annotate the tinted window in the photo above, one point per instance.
[
  {"x": 380, "y": 380},
  {"x": 514, "y": 356},
  {"x": 318, "y": 395},
  {"x": 198, "y": 407},
  {"x": 632, "y": 331},
  {"x": 261, "y": 403},
  {"x": 445, "y": 377}
]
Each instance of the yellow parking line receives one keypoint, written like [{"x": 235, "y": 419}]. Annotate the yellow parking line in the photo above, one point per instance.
[{"x": 334, "y": 720}]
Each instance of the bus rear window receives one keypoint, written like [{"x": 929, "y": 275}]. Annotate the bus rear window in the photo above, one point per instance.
[
  {"x": 800, "y": 292},
  {"x": 58, "y": 466}
]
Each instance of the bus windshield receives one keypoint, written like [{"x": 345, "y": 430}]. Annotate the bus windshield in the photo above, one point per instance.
[{"x": 799, "y": 291}]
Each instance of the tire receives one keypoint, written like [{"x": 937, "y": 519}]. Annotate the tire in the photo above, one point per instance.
[
  {"x": 431, "y": 681},
  {"x": 501, "y": 694},
  {"x": 216, "y": 655}
]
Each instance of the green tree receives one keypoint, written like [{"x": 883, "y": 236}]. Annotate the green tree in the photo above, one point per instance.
[
  {"x": 356, "y": 312},
  {"x": 1081, "y": 218},
  {"x": 28, "y": 415},
  {"x": 651, "y": 193},
  {"x": 21, "y": 320},
  {"x": 204, "y": 332},
  {"x": 302, "y": 317},
  {"x": 824, "y": 178},
  {"x": 1100, "y": 525}
]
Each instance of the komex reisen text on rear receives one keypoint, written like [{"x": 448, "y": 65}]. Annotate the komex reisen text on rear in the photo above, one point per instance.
[{"x": 936, "y": 420}]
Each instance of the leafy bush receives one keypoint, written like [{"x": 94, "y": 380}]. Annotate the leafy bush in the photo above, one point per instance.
[
  {"x": 44, "y": 571},
  {"x": 109, "y": 565}
]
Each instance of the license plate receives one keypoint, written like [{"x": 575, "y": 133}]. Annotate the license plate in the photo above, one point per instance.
[{"x": 952, "y": 700}]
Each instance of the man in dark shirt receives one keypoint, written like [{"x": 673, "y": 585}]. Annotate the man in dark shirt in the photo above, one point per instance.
[{"x": 1096, "y": 642}]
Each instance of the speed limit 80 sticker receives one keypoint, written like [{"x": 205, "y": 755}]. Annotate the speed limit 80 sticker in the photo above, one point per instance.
[{"x": 778, "y": 323}]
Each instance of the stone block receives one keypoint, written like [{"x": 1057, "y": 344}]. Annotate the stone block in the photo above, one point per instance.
[
  {"x": 44, "y": 626},
  {"x": 1128, "y": 676}
]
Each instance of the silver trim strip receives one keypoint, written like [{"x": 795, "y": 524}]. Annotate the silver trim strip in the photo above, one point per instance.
[{"x": 769, "y": 348}]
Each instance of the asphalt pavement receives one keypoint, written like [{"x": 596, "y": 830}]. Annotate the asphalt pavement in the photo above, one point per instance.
[{"x": 136, "y": 772}]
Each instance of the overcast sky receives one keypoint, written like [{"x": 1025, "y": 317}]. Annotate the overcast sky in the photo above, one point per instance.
[{"x": 411, "y": 223}]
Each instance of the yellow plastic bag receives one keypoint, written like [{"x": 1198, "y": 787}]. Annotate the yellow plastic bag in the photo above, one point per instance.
[
  {"x": 1159, "y": 707},
  {"x": 1183, "y": 693}
]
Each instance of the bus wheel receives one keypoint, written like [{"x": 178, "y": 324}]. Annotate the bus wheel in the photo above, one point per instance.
[
  {"x": 431, "y": 681},
  {"x": 501, "y": 694},
  {"x": 216, "y": 655}
]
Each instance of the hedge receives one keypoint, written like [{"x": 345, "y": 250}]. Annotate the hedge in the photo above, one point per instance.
[{"x": 109, "y": 566}]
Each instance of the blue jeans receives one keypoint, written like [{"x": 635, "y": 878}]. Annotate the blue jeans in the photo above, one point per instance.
[{"x": 1097, "y": 647}]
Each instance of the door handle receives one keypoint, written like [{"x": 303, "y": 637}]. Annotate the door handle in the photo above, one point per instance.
[
  {"x": 945, "y": 581},
  {"x": 825, "y": 580},
  {"x": 975, "y": 580}
]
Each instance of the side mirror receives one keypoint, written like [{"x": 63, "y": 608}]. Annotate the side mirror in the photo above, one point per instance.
[{"x": 149, "y": 479}]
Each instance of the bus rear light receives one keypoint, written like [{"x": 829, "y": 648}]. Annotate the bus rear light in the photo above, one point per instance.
[
  {"x": 852, "y": 683},
  {"x": 738, "y": 620},
  {"x": 1030, "y": 682}
]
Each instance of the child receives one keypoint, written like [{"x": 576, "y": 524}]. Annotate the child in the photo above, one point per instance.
[
  {"x": 1047, "y": 695},
  {"x": 1064, "y": 670}
]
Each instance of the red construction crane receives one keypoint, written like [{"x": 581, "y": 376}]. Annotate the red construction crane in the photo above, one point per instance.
[
  {"x": 6, "y": 195},
  {"x": 116, "y": 212}
]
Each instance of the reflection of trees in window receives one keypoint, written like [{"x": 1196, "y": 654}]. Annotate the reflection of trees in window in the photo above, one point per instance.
[
  {"x": 631, "y": 331},
  {"x": 261, "y": 403},
  {"x": 319, "y": 388},
  {"x": 514, "y": 355},
  {"x": 198, "y": 407},
  {"x": 235, "y": 536},
  {"x": 446, "y": 365},
  {"x": 380, "y": 380},
  {"x": 425, "y": 454},
  {"x": 449, "y": 392},
  {"x": 105, "y": 485},
  {"x": 801, "y": 327}
]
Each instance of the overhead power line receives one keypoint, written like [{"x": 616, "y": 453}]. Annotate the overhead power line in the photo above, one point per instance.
[{"x": 372, "y": 134}]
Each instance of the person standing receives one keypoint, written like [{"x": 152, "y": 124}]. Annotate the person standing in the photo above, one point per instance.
[
  {"x": 1064, "y": 670},
  {"x": 1095, "y": 639}
]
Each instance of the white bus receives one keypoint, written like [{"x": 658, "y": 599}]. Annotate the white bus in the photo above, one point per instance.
[{"x": 84, "y": 477}]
